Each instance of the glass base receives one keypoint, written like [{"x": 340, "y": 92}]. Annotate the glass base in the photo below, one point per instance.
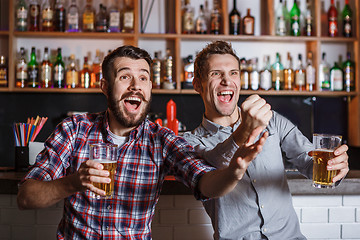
[{"x": 318, "y": 185}]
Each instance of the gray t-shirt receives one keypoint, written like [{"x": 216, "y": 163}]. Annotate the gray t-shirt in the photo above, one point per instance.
[{"x": 260, "y": 206}]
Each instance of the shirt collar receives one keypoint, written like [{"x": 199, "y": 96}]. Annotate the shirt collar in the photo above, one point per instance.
[{"x": 214, "y": 127}]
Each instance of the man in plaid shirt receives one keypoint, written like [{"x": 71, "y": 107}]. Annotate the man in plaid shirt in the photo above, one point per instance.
[{"x": 147, "y": 153}]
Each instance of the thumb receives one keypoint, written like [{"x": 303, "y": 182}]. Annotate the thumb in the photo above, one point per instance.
[{"x": 254, "y": 133}]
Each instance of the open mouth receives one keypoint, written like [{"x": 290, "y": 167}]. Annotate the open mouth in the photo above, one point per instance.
[
  {"x": 132, "y": 103},
  {"x": 225, "y": 96}
]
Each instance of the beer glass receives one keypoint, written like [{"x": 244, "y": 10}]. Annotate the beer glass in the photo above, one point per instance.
[
  {"x": 106, "y": 154},
  {"x": 324, "y": 144}
]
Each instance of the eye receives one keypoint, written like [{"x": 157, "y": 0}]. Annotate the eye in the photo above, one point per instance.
[
  {"x": 234, "y": 73},
  {"x": 143, "y": 78},
  {"x": 124, "y": 77},
  {"x": 214, "y": 74}
]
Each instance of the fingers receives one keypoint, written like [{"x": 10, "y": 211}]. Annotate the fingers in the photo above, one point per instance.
[
  {"x": 255, "y": 111},
  {"x": 340, "y": 150},
  {"x": 341, "y": 174},
  {"x": 92, "y": 172}
]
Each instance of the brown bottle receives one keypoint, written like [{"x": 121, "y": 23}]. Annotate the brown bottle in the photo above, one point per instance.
[
  {"x": 85, "y": 75},
  {"x": 332, "y": 20},
  {"x": 248, "y": 24},
  {"x": 34, "y": 16}
]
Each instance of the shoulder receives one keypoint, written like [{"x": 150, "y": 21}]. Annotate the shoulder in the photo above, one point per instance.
[
  {"x": 194, "y": 136},
  {"x": 82, "y": 120}
]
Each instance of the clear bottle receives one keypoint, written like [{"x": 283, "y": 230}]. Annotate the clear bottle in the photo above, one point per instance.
[
  {"x": 300, "y": 77},
  {"x": 21, "y": 13},
  {"x": 336, "y": 78},
  {"x": 60, "y": 16},
  {"x": 289, "y": 74},
  {"x": 85, "y": 74},
  {"x": 347, "y": 20},
  {"x": 248, "y": 24},
  {"x": 96, "y": 69},
  {"x": 234, "y": 20},
  {"x": 310, "y": 73},
  {"x": 216, "y": 19},
  {"x": 323, "y": 19},
  {"x": 102, "y": 19},
  {"x": 200, "y": 23},
  {"x": 265, "y": 74},
  {"x": 188, "y": 73},
  {"x": 323, "y": 83},
  {"x": 156, "y": 71},
  {"x": 72, "y": 74},
  {"x": 280, "y": 23},
  {"x": 33, "y": 70},
  {"x": 168, "y": 82},
  {"x": 128, "y": 17},
  {"x": 59, "y": 71},
  {"x": 34, "y": 16},
  {"x": 349, "y": 73},
  {"x": 47, "y": 16},
  {"x": 332, "y": 20},
  {"x": 308, "y": 28},
  {"x": 3, "y": 72},
  {"x": 254, "y": 74},
  {"x": 88, "y": 17},
  {"x": 207, "y": 14},
  {"x": 187, "y": 18},
  {"x": 21, "y": 70},
  {"x": 244, "y": 74},
  {"x": 295, "y": 20},
  {"x": 114, "y": 17},
  {"x": 72, "y": 20},
  {"x": 46, "y": 70},
  {"x": 277, "y": 74}
]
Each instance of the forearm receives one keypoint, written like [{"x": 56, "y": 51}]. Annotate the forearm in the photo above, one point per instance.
[{"x": 41, "y": 194}]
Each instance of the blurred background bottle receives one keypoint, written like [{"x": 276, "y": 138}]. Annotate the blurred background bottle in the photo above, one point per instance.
[
  {"x": 216, "y": 19},
  {"x": 72, "y": 20},
  {"x": 114, "y": 17},
  {"x": 244, "y": 74},
  {"x": 349, "y": 73},
  {"x": 234, "y": 20},
  {"x": 300, "y": 76},
  {"x": 248, "y": 24},
  {"x": 128, "y": 17},
  {"x": 21, "y": 13},
  {"x": 280, "y": 23},
  {"x": 96, "y": 70},
  {"x": 3, "y": 72},
  {"x": 85, "y": 74},
  {"x": 34, "y": 16},
  {"x": 60, "y": 16},
  {"x": 310, "y": 73},
  {"x": 33, "y": 70},
  {"x": 168, "y": 82},
  {"x": 102, "y": 19},
  {"x": 347, "y": 20},
  {"x": 289, "y": 74},
  {"x": 308, "y": 28},
  {"x": 21, "y": 70},
  {"x": 88, "y": 17},
  {"x": 47, "y": 15},
  {"x": 254, "y": 74},
  {"x": 72, "y": 74},
  {"x": 59, "y": 71},
  {"x": 265, "y": 74},
  {"x": 46, "y": 70},
  {"x": 295, "y": 20},
  {"x": 187, "y": 18},
  {"x": 200, "y": 23},
  {"x": 323, "y": 83},
  {"x": 156, "y": 70},
  {"x": 277, "y": 74},
  {"x": 332, "y": 20},
  {"x": 336, "y": 78}
]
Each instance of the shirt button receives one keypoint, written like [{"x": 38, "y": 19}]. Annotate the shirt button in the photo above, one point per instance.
[
  {"x": 254, "y": 181},
  {"x": 262, "y": 206},
  {"x": 109, "y": 207},
  {"x": 107, "y": 228},
  {"x": 264, "y": 229}
]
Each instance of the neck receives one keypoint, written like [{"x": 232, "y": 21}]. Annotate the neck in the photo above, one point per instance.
[
  {"x": 224, "y": 121},
  {"x": 116, "y": 127}
]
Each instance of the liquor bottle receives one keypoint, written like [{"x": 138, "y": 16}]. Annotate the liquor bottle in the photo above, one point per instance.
[
  {"x": 187, "y": 18},
  {"x": 96, "y": 69},
  {"x": 33, "y": 70},
  {"x": 216, "y": 19},
  {"x": 254, "y": 74},
  {"x": 234, "y": 20},
  {"x": 244, "y": 74},
  {"x": 34, "y": 16},
  {"x": 101, "y": 19},
  {"x": 72, "y": 75},
  {"x": 85, "y": 74},
  {"x": 88, "y": 17},
  {"x": 207, "y": 14},
  {"x": 332, "y": 20},
  {"x": 59, "y": 71},
  {"x": 310, "y": 73},
  {"x": 21, "y": 13},
  {"x": 168, "y": 82},
  {"x": 265, "y": 74},
  {"x": 46, "y": 70},
  {"x": 72, "y": 20},
  {"x": 188, "y": 73},
  {"x": 349, "y": 73},
  {"x": 280, "y": 24},
  {"x": 323, "y": 19},
  {"x": 347, "y": 20},
  {"x": 248, "y": 24},
  {"x": 339, "y": 16},
  {"x": 323, "y": 83},
  {"x": 287, "y": 17},
  {"x": 277, "y": 74},
  {"x": 336, "y": 78},
  {"x": 21, "y": 70},
  {"x": 300, "y": 82},
  {"x": 128, "y": 17},
  {"x": 47, "y": 15},
  {"x": 156, "y": 71},
  {"x": 60, "y": 16},
  {"x": 295, "y": 20},
  {"x": 308, "y": 28},
  {"x": 3, "y": 72},
  {"x": 200, "y": 23},
  {"x": 289, "y": 74},
  {"x": 114, "y": 17}
]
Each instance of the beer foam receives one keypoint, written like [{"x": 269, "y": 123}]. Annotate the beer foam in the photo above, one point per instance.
[
  {"x": 104, "y": 161},
  {"x": 324, "y": 150}
]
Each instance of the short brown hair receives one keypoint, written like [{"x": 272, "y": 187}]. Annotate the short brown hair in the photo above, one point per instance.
[{"x": 201, "y": 66}]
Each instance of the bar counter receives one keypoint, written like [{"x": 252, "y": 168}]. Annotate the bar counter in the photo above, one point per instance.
[{"x": 299, "y": 185}]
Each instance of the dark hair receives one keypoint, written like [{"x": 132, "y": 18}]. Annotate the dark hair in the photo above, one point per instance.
[
  {"x": 123, "y": 51},
  {"x": 201, "y": 66}
]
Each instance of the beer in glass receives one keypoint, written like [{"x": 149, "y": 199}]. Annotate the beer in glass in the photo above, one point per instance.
[
  {"x": 324, "y": 144},
  {"x": 106, "y": 154}
]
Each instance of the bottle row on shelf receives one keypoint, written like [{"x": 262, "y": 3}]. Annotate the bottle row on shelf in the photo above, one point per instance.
[
  {"x": 59, "y": 17},
  {"x": 294, "y": 22}
]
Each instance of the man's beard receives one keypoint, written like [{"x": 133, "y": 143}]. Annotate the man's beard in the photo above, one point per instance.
[{"x": 125, "y": 121}]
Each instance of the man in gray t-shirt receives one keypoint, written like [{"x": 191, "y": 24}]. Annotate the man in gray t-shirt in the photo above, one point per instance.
[{"x": 260, "y": 206}]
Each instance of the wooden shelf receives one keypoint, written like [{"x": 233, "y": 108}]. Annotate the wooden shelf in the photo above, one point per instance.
[
  {"x": 4, "y": 33},
  {"x": 57, "y": 90},
  {"x": 77, "y": 35}
]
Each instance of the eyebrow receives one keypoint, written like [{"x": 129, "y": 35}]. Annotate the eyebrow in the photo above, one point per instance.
[{"x": 127, "y": 68}]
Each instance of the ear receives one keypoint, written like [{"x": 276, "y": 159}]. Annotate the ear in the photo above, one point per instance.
[
  {"x": 104, "y": 86},
  {"x": 197, "y": 85}
]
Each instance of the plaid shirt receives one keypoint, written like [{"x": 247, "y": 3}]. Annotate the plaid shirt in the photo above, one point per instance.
[{"x": 143, "y": 162}]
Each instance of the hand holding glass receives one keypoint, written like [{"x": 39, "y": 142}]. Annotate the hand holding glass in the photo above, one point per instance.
[
  {"x": 106, "y": 154},
  {"x": 325, "y": 146}
]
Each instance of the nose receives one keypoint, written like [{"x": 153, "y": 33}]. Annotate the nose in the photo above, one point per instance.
[
  {"x": 225, "y": 79},
  {"x": 134, "y": 84}
]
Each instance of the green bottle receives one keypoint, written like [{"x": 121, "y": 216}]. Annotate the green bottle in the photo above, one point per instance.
[
  {"x": 347, "y": 20},
  {"x": 59, "y": 71},
  {"x": 295, "y": 20},
  {"x": 336, "y": 78},
  {"x": 349, "y": 73},
  {"x": 277, "y": 74},
  {"x": 33, "y": 70}
]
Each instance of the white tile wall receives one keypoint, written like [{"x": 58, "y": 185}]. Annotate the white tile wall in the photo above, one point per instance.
[{"x": 182, "y": 217}]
